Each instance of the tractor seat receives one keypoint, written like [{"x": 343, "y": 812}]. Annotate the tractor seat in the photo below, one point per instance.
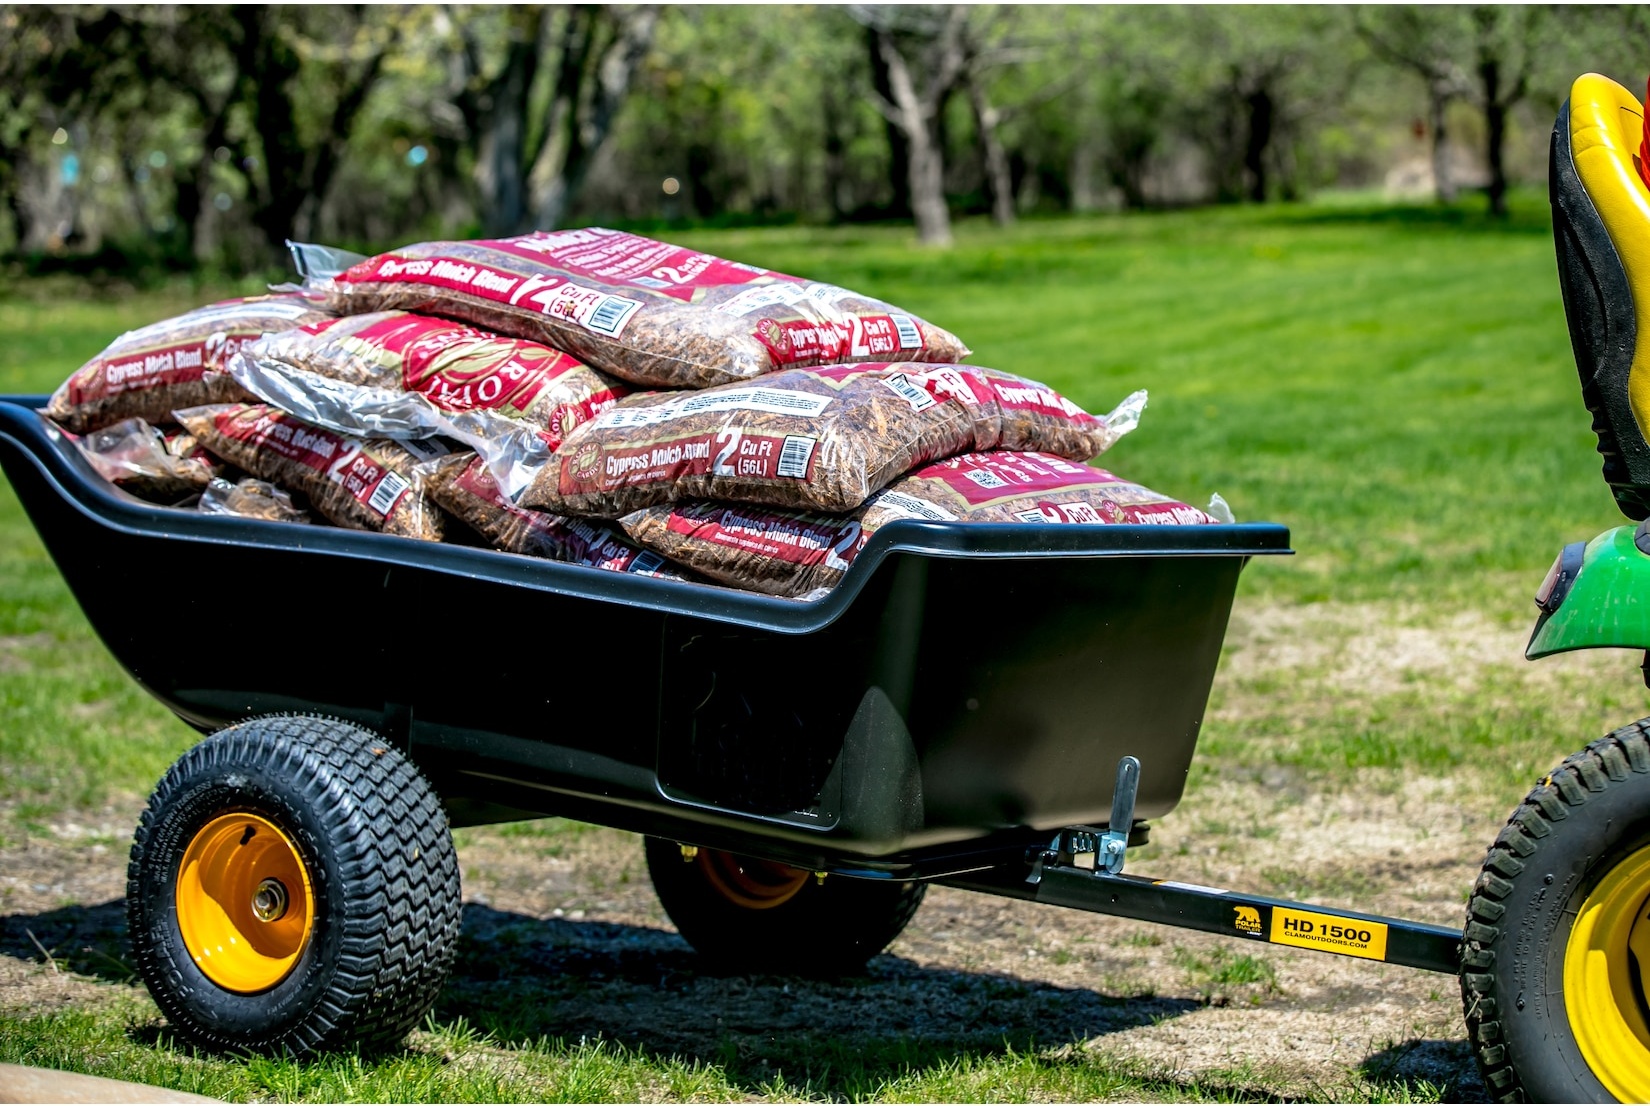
[{"x": 1601, "y": 227}]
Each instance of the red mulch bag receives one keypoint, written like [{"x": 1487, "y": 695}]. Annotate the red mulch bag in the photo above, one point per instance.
[
  {"x": 364, "y": 484},
  {"x": 147, "y": 463},
  {"x": 793, "y": 553},
  {"x": 645, "y": 311},
  {"x": 819, "y": 439},
  {"x": 148, "y": 373},
  {"x": 395, "y": 374},
  {"x": 463, "y": 486}
]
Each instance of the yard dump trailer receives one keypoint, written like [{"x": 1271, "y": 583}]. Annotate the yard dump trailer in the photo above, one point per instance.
[{"x": 999, "y": 708}]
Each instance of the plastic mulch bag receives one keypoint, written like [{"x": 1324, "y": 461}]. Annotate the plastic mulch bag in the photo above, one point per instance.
[
  {"x": 398, "y": 375},
  {"x": 147, "y": 463},
  {"x": 150, "y": 372},
  {"x": 250, "y": 497},
  {"x": 648, "y": 312},
  {"x": 795, "y": 553},
  {"x": 462, "y": 485},
  {"x": 821, "y": 439},
  {"x": 361, "y": 483}
]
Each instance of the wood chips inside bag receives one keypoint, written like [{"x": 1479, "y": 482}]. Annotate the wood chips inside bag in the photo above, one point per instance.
[
  {"x": 149, "y": 464},
  {"x": 464, "y": 487},
  {"x": 819, "y": 439},
  {"x": 795, "y": 553},
  {"x": 648, "y": 312},
  {"x": 150, "y": 372},
  {"x": 363, "y": 484}
]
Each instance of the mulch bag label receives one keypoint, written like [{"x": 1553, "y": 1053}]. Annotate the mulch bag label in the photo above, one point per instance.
[
  {"x": 463, "y": 485},
  {"x": 794, "y": 553},
  {"x": 178, "y": 362},
  {"x": 396, "y": 374},
  {"x": 359, "y": 483},
  {"x": 645, "y": 311},
  {"x": 819, "y": 439}
]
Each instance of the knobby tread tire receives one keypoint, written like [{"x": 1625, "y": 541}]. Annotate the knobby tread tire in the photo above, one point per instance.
[
  {"x": 385, "y": 874},
  {"x": 1603, "y": 790},
  {"x": 829, "y": 929}
]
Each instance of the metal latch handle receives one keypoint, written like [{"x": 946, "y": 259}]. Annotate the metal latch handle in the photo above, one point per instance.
[{"x": 1114, "y": 843}]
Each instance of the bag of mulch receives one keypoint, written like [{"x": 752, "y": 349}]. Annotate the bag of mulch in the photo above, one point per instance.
[
  {"x": 142, "y": 460},
  {"x": 818, "y": 439},
  {"x": 463, "y": 486},
  {"x": 644, "y": 311},
  {"x": 398, "y": 375},
  {"x": 148, "y": 373},
  {"x": 794, "y": 553},
  {"x": 250, "y": 497},
  {"x": 361, "y": 483}
]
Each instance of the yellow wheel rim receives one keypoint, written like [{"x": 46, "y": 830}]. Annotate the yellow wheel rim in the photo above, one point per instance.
[
  {"x": 1606, "y": 969},
  {"x": 753, "y": 884},
  {"x": 245, "y": 906}
]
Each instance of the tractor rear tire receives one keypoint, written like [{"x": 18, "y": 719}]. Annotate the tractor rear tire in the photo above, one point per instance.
[
  {"x": 1556, "y": 955},
  {"x": 293, "y": 889},
  {"x": 756, "y": 916}
]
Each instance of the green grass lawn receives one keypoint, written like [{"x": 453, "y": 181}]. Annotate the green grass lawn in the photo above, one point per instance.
[{"x": 1394, "y": 384}]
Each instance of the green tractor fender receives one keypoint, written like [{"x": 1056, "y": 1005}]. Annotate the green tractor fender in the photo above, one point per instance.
[{"x": 1596, "y": 596}]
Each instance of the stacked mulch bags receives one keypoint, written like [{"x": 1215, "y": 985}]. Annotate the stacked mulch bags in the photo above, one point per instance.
[{"x": 594, "y": 397}]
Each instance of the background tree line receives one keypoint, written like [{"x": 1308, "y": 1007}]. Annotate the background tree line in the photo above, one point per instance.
[{"x": 198, "y": 135}]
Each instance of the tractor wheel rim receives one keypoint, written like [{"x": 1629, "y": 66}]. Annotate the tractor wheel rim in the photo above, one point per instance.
[
  {"x": 753, "y": 884},
  {"x": 246, "y": 908},
  {"x": 1606, "y": 972}
]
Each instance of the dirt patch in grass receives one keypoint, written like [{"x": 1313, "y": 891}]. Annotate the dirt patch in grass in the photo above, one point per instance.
[
  {"x": 1375, "y": 649},
  {"x": 14, "y": 650}
]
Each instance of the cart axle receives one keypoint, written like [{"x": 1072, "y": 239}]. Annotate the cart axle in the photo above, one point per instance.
[{"x": 1214, "y": 910}]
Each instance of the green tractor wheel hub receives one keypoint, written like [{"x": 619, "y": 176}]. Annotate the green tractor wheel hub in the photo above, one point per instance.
[{"x": 1607, "y": 605}]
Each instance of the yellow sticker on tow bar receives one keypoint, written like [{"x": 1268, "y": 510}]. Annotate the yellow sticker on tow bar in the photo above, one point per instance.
[{"x": 1328, "y": 933}]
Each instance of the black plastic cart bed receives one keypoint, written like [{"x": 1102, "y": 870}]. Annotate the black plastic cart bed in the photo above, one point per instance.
[{"x": 974, "y": 703}]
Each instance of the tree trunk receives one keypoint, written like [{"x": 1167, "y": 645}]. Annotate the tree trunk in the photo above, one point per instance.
[
  {"x": 1084, "y": 197},
  {"x": 1259, "y": 104},
  {"x": 927, "y": 156},
  {"x": 836, "y": 155},
  {"x": 899, "y": 148},
  {"x": 593, "y": 95},
  {"x": 928, "y": 207},
  {"x": 999, "y": 180},
  {"x": 504, "y": 135},
  {"x": 275, "y": 65},
  {"x": 1495, "y": 134},
  {"x": 1438, "y": 98}
]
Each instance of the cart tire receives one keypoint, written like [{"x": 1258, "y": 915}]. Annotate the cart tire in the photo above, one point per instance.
[
  {"x": 1555, "y": 962},
  {"x": 751, "y": 916},
  {"x": 311, "y": 863}
]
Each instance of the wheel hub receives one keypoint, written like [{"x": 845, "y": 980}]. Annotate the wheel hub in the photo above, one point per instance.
[
  {"x": 244, "y": 902},
  {"x": 1606, "y": 972},
  {"x": 753, "y": 884},
  {"x": 269, "y": 901}
]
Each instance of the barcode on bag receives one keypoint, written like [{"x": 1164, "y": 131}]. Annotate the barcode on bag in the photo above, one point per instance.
[
  {"x": 914, "y": 394},
  {"x": 1033, "y": 515},
  {"x": 647, "y": 563},
  {"x": 909, "y": 336},
  {"x": 388, "y": 493},
  {"x": 986, "y": 478},
  {"x": 611, "y": 314},
  {"x": 794, "y": 456}
]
